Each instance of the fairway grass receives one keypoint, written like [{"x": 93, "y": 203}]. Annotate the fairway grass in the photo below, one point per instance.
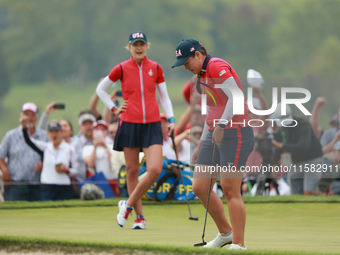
[{"x": 272, "y": 228}]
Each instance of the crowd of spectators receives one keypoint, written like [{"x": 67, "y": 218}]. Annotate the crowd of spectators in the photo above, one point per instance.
[{"x": 48, "y": 161}]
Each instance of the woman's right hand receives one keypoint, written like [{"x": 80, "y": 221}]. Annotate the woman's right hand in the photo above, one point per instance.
[
  {"x": 121, "y": 108},
  {"x": 194, "y": 157},
  {"x": 195, "y": 154}
]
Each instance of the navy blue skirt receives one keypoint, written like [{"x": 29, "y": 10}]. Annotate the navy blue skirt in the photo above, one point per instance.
[
  {"x": 234, "y": 150},
  {"x": 135, "y": 135}
]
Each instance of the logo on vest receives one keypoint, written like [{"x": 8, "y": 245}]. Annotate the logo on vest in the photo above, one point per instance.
[{"x": 150, "y": 72}]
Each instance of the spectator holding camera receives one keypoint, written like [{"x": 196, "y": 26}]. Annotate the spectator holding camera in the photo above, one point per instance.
[
  {"x": 304, "y": 148},
  {"x": 20, "y": 165},
  {"x": 66, "y": 126},
  {"x": 97, "y": 156},
  {"x": 59, "y": 163}
]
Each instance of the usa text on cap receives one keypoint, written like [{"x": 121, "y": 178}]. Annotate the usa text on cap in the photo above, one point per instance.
[
  {"x": 137, "y": 36},
  {"x": 184, "y": 49},
  {"x": 53, "y": 126}
]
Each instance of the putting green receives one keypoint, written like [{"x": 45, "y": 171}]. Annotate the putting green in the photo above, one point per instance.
[{"x": 271, "y": 226}]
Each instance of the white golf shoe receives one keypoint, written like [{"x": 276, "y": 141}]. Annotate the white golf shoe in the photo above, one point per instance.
[
  {"x": 123, "y": 214},
  {"x": 219, "y": 241},
  {"x": 140, "y": 223},
  {"x": 235, "y": 246}
]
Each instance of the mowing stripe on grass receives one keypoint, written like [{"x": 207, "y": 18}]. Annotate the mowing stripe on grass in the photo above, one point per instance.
[{"x": 114, "y": 202}]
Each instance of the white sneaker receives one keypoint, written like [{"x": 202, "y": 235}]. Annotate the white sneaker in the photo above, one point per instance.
[
  {"x": 220, "y": 241},
  {"x": 123, "y": 213},
  {"x": 235, "y": 246},
  {"x": 140, "y": 223}
]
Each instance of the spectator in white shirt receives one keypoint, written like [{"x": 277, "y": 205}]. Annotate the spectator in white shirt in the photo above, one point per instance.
[
  {"x": 59, "y": 163},
  {"x": 98, "y": 155}
]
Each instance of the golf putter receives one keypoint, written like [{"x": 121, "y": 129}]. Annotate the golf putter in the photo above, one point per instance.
[
  {"x": 180, "y": 173},
  {"x": 206, "y": 208}
]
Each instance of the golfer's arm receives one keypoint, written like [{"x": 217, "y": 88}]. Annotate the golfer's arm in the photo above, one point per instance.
[
  {"x": 165, "y": 100},
  {"x": 205, "y": 131},
  {"x": 228, "y": 110},
  {"x": 101, "y": 91}
]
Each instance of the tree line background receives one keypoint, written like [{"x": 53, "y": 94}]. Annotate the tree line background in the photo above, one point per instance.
[{"x": 69, "y": 45}]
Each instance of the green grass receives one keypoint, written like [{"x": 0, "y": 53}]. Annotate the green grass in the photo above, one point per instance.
[
  {"x": 114, "y": 201},
  {"x": 75, "y": 98},
  {"x": 302, "y": 227}
]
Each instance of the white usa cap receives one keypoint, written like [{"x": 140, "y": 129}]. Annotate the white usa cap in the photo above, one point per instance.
[{"x": 254, "y": 79}]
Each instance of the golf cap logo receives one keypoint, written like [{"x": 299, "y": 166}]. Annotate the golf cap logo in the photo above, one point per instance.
[
  {"x": 178, "y": 53},
  {"x": 137, "y": 35}
]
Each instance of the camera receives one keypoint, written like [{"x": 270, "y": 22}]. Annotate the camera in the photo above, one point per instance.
[
  {"x": 59, "y": 106},
  {"x": 98, "y": 134}
]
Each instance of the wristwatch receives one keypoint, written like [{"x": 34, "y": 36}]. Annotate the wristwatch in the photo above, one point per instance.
[
  {"x": 114, "y": 108},
  {"x": 221, "y": 126}
]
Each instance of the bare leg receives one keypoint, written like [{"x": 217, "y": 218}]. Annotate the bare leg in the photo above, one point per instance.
[
  {"x": 216, "y": 208},
  {"x": 237, "y": 212},
  {"x": 154, "y": 162},
  {"x": 132, "y": 173}
]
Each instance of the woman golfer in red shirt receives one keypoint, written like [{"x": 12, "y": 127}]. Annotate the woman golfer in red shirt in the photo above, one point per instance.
[
  {"x": 139, "y": 127},
  {"x": 234, "y": 138}
]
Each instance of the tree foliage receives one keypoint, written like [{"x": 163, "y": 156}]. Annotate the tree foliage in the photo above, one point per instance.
[
  {"x": 4, "y": 77},
  {"x": 84, "y": 39}
]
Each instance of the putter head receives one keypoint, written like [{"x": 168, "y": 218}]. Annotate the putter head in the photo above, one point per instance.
[
  {"x": 200, "y": 244},
  {"x": 193, "y": 218}
]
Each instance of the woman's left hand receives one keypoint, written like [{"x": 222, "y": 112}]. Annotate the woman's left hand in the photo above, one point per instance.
[
  {"x": 217, "y": 136},
  {"x": 121, "y": 108}
]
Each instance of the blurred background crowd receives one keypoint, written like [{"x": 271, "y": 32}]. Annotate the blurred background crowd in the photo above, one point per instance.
[
  {"x": 68, "y": 45},
  {"x": 51, "y": 159}
]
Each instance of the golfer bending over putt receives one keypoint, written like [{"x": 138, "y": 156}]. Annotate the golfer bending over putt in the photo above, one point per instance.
[{"x": 220, "y": 85}]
